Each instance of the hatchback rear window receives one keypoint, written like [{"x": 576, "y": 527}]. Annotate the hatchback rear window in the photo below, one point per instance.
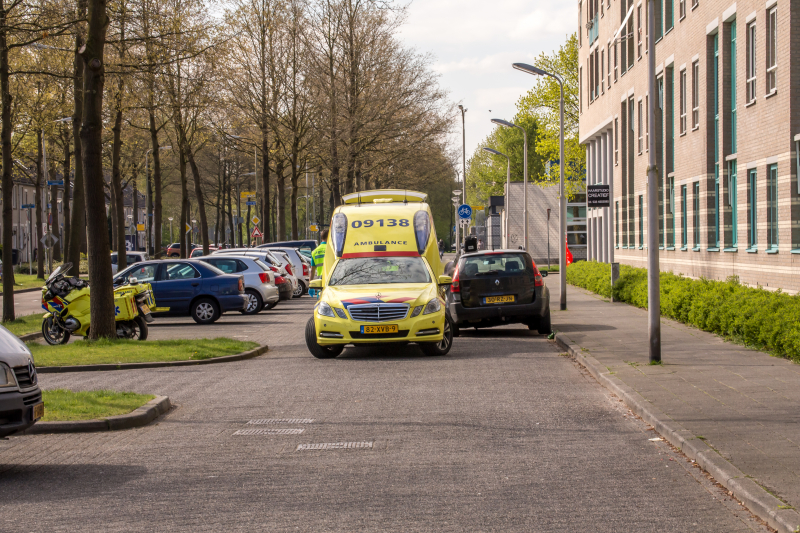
[
  {"x": 260, "y": 263},
  {"x": 479, "y": 265}
]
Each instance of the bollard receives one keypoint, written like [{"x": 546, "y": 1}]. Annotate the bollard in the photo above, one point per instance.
[{"x": 614, "y": 277}]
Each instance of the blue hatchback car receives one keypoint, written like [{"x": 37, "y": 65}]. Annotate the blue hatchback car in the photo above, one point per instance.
[{"x": 189, "y": 287}]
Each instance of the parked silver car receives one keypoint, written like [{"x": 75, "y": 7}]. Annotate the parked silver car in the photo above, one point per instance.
[
  {"x": 259, "y": 280},
  {"x": 20, "y": 397},
  {"x": 278, "y": 261},
  {"x": 300, "y": 269},
  {"x": 130, "y": 258}
]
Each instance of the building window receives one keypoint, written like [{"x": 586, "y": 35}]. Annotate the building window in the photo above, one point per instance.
[
  {"x": 616, "y": 141},
  {"x": 598, "y": 73},
  {"x": 647, "y": 123},
  {"x": 715, "y": 157},
  {"x": 669, "y": 14},
  {"x": 641, "y": 128},
  {"x": 639, "y": 31},
  {"x": 671, "y": 212},
  {"x": 752, "y": 210},
  {"x": 751, "y": 62},
  {"x": 733, "y": 86},
  {"x": 659, "y": 20},
  {"x": 772, "y": 207},
  {"x": 683, "y": 101},
  {"x": 580, "y": 24},
  {"x": 641, "y": 221},
  {"x": 616, "y": 222},
  {"x": 733, "y": 202},
  {"x": 602, "y": 69},
  {"x": 694, "y": 3},
  {"x": 696, "y": 215},
  {"x": 684, "y": 229},
  {"x": 682, "y": 9},
  {"x": 630, "y": 41},
  {"x": 696, "y": 94},
  {"x": 608, "y": 65},
  {"x": 772, "y": 46},
  {"x": 615, "y": 62}
]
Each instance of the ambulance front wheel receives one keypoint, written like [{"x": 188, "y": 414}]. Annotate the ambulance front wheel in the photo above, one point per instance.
[{"x": 320, "y": 352}]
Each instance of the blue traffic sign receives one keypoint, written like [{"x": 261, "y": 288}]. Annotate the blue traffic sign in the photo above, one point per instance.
[
  {"x": 28, "y": 206},
  {"x": 464, "y": 211},
  {"x": 58, "y": 183},
  {"x": 251, "y": 203}
]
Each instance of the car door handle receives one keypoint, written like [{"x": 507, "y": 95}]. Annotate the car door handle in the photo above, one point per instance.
[{"x": 195, "y": 284}]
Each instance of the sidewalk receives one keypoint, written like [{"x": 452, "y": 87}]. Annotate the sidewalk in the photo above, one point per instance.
[{"x": 743, "y": 404}]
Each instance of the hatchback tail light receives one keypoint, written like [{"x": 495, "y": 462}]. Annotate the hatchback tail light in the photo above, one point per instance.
[
  {"x": 274, "y": 269},
  {"x": 456, "y": 286},
  {"x": 280, "y": 280},
  {"x": 538, "y": 280},
  {"x": 263, "y": 277},
  {"x": 289, "y": 269},
  {"x": 305, "y": 270},
  {"x": 241, "y": 285}
]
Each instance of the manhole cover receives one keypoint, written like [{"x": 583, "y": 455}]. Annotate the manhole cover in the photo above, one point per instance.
[
  {"x": 334, "y": 446},
  {"x": 269, "y": 431},
  {"x": 283, "y": 421}
]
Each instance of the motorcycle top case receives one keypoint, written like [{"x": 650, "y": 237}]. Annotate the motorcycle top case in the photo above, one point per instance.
[{"x": 124, "y": 307}]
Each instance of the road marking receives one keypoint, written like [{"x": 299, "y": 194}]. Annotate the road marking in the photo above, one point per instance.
[
  {"x": 283, "y": 421},
  {"x": 334, "y": 446},
  {"x": 259, "y": 431}
]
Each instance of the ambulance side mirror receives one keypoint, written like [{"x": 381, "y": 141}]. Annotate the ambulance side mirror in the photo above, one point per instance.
[
  {"x": 315, "y": 284},
  {"x": 445, "y": 280}
]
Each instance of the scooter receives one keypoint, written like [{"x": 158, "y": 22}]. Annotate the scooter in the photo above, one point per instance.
[{"x": 66, "y": 301}]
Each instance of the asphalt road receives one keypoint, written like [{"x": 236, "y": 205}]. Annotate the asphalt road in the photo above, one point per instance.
[
  {"x": 27, "y": 302},
  {"x": 503, "y": 434}
]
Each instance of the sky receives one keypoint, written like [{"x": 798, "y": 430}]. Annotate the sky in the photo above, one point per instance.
[{"x": 474, "y": 43}]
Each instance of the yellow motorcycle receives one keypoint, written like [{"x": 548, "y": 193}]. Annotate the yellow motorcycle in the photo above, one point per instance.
[{"x": 66, "y": 301}]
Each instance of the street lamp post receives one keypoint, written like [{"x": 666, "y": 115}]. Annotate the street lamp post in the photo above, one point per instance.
[
  {"x": 508, "y": 124},
  {"x": 463, "y": 151},
  {"x": 653, "y": 270},
  {"x": 562, "y": 204},
  {"x": 457, "y": 194},
  {"x": 508, "y": 187}
]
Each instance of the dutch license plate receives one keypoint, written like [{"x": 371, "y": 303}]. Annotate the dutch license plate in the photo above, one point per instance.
[
  {"x": 378, "y": 330},
  {"x": 38, "y": 411},
  {"x": 145, "y": 309},
  {"x": 499, "y": 299}
]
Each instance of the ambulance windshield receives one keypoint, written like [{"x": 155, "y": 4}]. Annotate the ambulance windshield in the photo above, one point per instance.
[{"x": 379, "y": 271}]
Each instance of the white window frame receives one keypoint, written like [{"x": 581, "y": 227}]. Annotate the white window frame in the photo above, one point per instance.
[
  {"x": 695, "y": 95},
  {"x": 640, "y": 124},
  {"x": 683, "y": 101},
  {"x": 752, "y": 62},
  {"x": 772, "y": 49}
]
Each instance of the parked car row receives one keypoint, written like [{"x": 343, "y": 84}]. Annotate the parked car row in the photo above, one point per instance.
[{"x": 247, "y": 280}]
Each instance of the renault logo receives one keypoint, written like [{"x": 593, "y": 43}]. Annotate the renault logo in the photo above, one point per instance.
[{"x": 497, "y": 282}]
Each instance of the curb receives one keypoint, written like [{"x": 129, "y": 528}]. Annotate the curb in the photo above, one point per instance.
[
  {"x": 158, "y": 364},
  {"x": 138, "y": 418},
  {"x": 22, "y": 291},
  {"x": 31, "y": 336},
  {"x": 753, "y": 496}
]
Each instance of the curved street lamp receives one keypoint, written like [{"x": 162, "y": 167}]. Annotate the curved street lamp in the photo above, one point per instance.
[
  {"x": 508, "y": 185},
  {"x": 507, "y": 124},
  {"x": 562, "y": 203}
]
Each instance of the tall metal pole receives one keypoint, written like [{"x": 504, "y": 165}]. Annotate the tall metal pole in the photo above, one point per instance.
[
  {"x": 508, "y": 190},
  {"x": 147, "y": 201},
  {"x": 653, "y": 282},
  {"x": 562, "y": 206},
  {"x": 525, "y": 185}
]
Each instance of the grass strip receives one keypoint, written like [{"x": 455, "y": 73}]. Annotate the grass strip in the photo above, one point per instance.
[
  {"x": 25, "y": 324},
  {"x": 62, "y": 405},
  {"x": 27, "y": 281},
  {"x": 765, "y": 320},
  {"x": 119, "y": 351}
]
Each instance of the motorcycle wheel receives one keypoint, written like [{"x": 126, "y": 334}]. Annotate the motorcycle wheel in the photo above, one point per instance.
[
  {"x": 138, "y": 329},
  {"x": 59, "y": 336}
]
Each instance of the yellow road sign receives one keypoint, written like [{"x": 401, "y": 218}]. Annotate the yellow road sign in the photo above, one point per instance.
[
  {"x": 255, "y": 220},
  {"x": 246, "y": 194},
  {"x": 188, "y": 228},
  {"x": 313, "y": 227},
  {"x": 139, "y": 227}
]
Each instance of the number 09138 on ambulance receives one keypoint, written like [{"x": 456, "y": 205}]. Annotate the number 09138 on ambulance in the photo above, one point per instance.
[{"x": 382, "y": 278}]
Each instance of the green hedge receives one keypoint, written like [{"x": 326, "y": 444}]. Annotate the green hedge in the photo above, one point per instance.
[{"x": 765, "y": 320}]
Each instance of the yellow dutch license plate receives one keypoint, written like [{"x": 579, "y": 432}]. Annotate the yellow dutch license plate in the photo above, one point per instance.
[
  {"x": 378, "y": 330},
  {"x": 38, "y": 411},
  {"x": 499, "y": 299},
  {"x": 145, "y": 308}
]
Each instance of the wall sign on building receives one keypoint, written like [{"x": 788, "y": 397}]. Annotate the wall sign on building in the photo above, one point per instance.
[{"x": 598, "y": 196}]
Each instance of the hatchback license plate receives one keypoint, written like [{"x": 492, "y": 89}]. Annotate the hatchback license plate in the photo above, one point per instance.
[
  {"x": 377, "y": 330},
  {"x": 38, "y": 411},
  {"x": 499, "y": 299}
]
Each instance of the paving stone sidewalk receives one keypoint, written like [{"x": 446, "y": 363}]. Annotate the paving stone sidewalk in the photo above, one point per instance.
[{"x": 743, "y": 403}]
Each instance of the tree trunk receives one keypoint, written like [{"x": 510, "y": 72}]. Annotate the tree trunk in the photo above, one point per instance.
[
  {"x": 102, "y": 301},
  {"x": 54, "y": 213},
  {"x": 40, "y": 207},
  {"x": 265, "y": 184},
  {"x": 280, "y": 196},
  {"x": 156, "y": 198},
  {"x": 293, "y": 195},
  {"x": 201, "y": 204},
  {"x": 8, "y": 183},
  {"x": 67, "y": 197},
  {"x": 77, "y": 228},
  {"x": 184, "y": 240},
  {"x": 118, "y": 215}
]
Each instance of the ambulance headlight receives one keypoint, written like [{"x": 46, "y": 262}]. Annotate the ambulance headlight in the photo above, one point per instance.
[
  {"x": 422, "y": 230},
  {"x": 339, "y": 229}
]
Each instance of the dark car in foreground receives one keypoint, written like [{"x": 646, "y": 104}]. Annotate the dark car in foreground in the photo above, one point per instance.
[
  {"x": 494, "y": 288},
  {"x": 189, "y": 287},
  {"x": 20, "y": 397}
]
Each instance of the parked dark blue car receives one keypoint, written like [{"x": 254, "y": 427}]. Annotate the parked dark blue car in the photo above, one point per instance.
[{"x": 189, "y": 287}]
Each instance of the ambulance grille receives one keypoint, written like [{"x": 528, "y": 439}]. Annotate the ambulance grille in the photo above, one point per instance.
[{"x": 378, "y": 312}]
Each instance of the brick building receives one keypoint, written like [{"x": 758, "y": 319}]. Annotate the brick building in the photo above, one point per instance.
[{"x": 727, "y": 135}]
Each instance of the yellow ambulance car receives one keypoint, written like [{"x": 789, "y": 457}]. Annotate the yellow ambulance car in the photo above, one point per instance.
[{"x": 382, "y": 279}]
